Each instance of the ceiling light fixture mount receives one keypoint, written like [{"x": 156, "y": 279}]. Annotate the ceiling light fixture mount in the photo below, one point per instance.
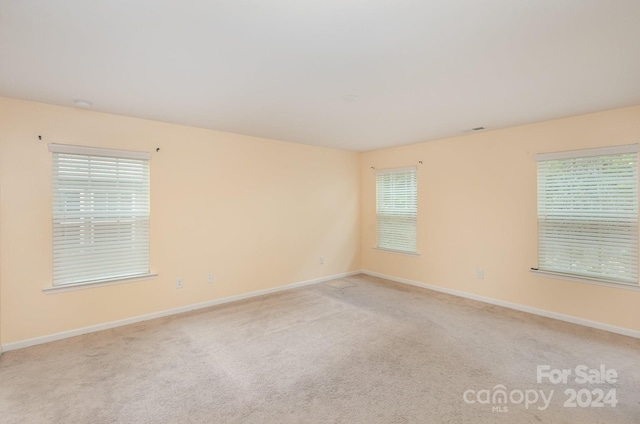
[{"x": 86, "y": 104}]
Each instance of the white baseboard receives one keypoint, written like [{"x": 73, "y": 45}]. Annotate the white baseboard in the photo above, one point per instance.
[
  {"x": 516, "y": 306},
  {"x": 99, "y": 327}
]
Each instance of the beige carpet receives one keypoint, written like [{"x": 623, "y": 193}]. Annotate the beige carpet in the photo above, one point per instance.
[{"x": 356, "y": 350}]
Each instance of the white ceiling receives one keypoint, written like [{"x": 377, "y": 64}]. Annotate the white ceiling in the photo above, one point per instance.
[{"x": 422, "y": 70}]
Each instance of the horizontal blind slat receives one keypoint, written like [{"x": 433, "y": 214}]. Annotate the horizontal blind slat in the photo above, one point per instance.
[
  {"x": 396, "y": 209},
  {"x": 588, "y": 216},
  {"x": 100, "y": 217}
]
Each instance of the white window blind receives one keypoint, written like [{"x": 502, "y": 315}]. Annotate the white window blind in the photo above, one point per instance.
[
  {"x": 396, "y": 209},
  {"x": 100, "y": 214},
  {"x": 588, "y": 213}
]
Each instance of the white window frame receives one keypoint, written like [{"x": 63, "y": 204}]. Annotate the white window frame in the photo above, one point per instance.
[
  {"x": 397, "y": 218},
  {"x": 580, "y": 239},
  {"x": 108, "y": 198}
]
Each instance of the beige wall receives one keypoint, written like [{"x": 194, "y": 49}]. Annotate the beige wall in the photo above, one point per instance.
[
  {"x": 477, "y": 210},
  {"x": 259, "y": 213},
  {"x": 256, "y": 213}
]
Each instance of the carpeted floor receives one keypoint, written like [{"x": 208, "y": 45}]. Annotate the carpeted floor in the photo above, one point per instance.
[{"x": 355, "y": 350}]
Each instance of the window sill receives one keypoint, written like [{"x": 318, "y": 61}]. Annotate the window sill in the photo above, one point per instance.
[
  {"x": 397, "y": 252},
  {"x": 605, "y": 283},
  {"x": 99, "y": 283}
]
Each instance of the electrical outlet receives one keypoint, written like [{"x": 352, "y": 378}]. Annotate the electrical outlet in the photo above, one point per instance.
[
  {"x": 179, "y": 283},
  {"x": 210, "y": 278},
  {"x": 321, "y": 260},
  {"x": 480, "y": 274}
]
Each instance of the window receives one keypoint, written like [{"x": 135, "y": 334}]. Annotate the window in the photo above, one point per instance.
[
  {"x": 100, "y": 214},
  {"x": 396, "y": 209},
  {"x": 588, "y": 213}
]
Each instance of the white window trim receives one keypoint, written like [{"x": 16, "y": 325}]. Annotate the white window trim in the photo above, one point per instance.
[
  {"x": 568, "y": 154},
  {"x": 577, "y": 279},
  {"x": 96, "y": 151},
  {"x": 389, "y": 171},
  {"x": 113, "y": 153},
  {"x": 399, "y": 169},
  {"x": 98, "y": 283},
  {"x": 397, "y": 252},
  {"x": 583, "y": 153}
]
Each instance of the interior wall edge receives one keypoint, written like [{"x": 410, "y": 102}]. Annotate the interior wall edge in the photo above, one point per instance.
[
  {"x": 510, "y": 305},
  {"x": 167, "y": 312}
]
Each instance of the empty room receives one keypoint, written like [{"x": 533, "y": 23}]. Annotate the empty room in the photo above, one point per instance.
[{"x": 243, "y": 211}]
